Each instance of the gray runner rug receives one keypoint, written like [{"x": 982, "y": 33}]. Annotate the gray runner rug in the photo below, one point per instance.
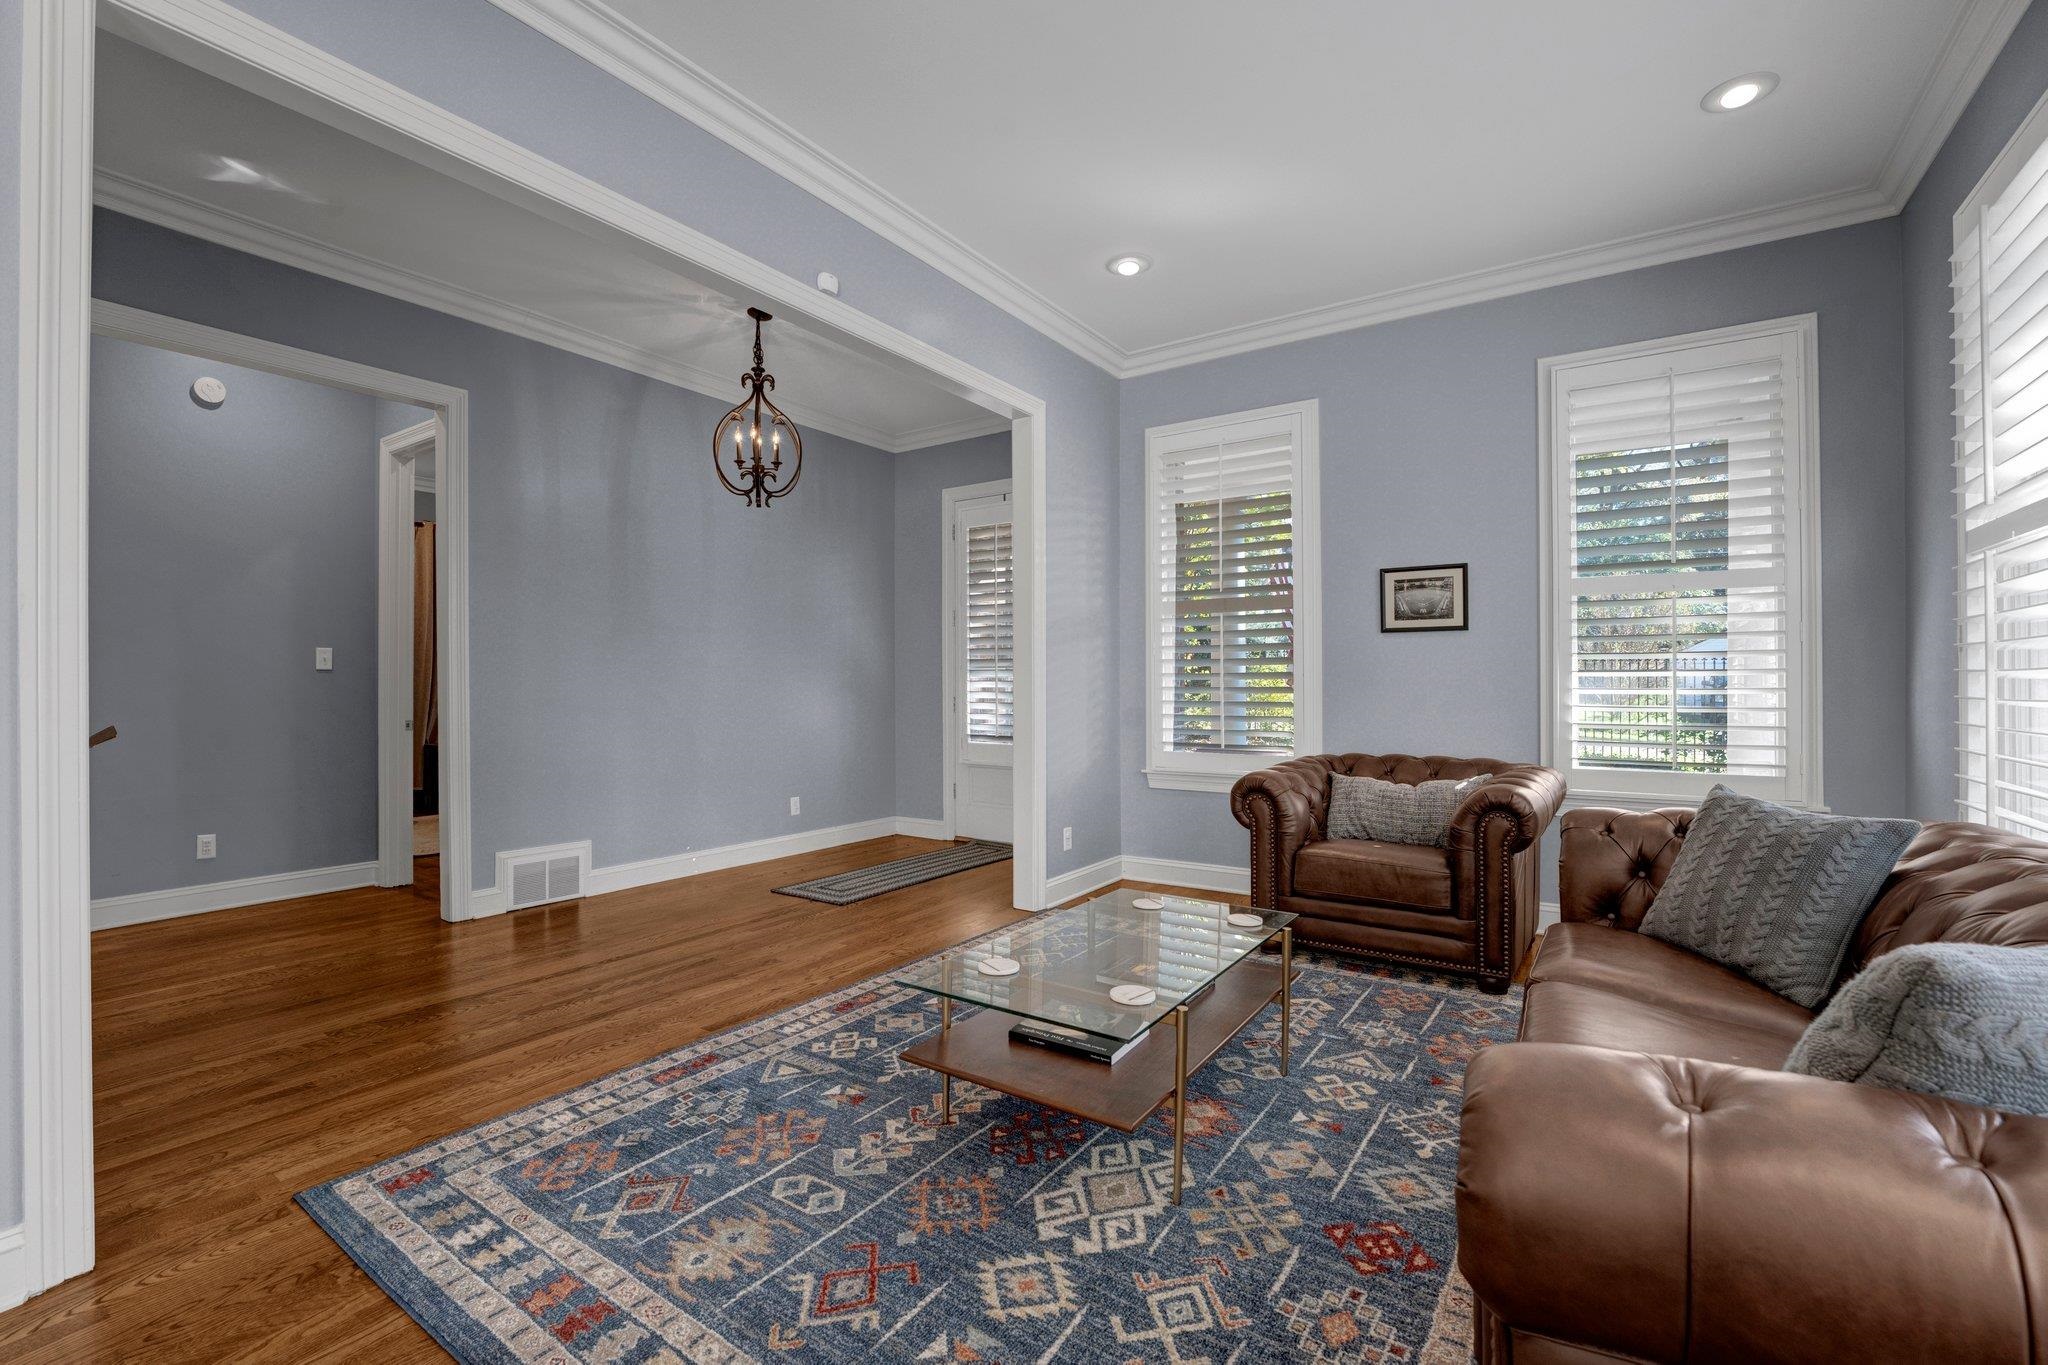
[{"x": 844, "y": 888}]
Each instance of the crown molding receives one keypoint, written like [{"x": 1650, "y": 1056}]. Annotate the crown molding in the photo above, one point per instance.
[
  {"x": 181, "y": 213},
  {"x": 626, "y": 51},
  {"x": 1541, "y": 272},
  {"x": 1979, "y": 35}
]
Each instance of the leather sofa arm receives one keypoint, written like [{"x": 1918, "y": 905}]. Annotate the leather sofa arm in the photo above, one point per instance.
[
  {"x": 1664, "y": 1209},
  {"x": 1284, "y": 806},
  {"x": 1612, "y": 862},
  {"x": 1527, "y": 793}
]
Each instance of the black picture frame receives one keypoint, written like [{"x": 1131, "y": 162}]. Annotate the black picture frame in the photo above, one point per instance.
[{"x": 1421, "y": 611}]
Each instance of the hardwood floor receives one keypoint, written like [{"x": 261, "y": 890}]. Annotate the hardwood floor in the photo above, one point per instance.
[{"x": 241, "y": 1056}]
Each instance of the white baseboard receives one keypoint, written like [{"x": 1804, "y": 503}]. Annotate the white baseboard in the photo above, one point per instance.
[
  {"x": 491, "y": 900},
  {"x": 922, "y": 829},
  {"x": 145, "y": 906},
  {"x": 13, "y": 1267},
  {"x": 1547, "y": 914},
  {"x": 1082, "y": 880},
  {"x": 1218, "y": 877}
]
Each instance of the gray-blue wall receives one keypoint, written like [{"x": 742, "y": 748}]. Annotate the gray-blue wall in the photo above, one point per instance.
[
  {"x": 922, "y": 476},
  {"x": 2010, "y": 91},
  {"x": 227, "y": 545},
  {"x": 638, "y": 636},
  {"x": 1429, "y": 456}
]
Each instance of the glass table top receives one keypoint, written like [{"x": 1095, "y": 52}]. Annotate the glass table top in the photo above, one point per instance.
[{"x": 1069, "y": 960}]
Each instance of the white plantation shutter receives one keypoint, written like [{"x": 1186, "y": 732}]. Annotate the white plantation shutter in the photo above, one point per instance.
[
  {"x": 1226, "y": 506},
  {"x": 1681, "y": 626},
  {"x": 2000, "y": 280},
  {"x": 991, "y": 634}
]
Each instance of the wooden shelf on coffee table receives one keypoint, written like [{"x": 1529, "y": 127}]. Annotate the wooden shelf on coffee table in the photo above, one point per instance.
[{"x": 1119, "y": 1095}]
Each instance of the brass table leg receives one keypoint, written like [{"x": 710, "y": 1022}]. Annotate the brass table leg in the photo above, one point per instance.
[
  {"x": 1180, "y": 1093},
  {"x": 1286, "y": 995},
  {"x": 945, "y": 1078}
]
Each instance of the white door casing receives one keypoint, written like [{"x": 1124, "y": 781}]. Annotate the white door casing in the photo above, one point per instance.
[{"x": 396, "y": 455}]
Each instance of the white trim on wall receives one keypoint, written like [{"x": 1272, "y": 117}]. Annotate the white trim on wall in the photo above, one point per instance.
[
  {"x": 144, "y": 907},
  {"x": 397, "y": 483},
  {"x": 1221, "y": 878},
  {"x": 628, "y": 52},
  {"x": 13, "y": 1266},
  {"x": 208, "y": 222},
  {"x": 51, "y": 633}
]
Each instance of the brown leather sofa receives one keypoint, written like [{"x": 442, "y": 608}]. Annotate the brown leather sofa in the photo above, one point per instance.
[
  {"x": 1639, "y": 1181},
  {"x": 1470, "y": 908}
]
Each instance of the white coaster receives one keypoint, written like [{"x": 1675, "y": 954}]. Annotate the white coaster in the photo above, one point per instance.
[
  {"x": 1133, "y": 995},
  {"x": 998, "y": 966},
  {"x": 1148, "y": 903},
  {"x": 1244, "y": 921}
]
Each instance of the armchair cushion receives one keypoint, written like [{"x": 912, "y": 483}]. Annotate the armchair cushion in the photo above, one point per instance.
[
  {"x": 1416, "y": 875},
  {"x": 1397, "y": 812},
  {"x": 1773, "y": 892}
]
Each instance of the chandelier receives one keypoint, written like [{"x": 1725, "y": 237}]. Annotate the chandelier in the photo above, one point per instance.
[{"x": 757, "y": 427}]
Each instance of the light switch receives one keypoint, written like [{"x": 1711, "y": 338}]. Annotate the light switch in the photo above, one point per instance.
[{"x": 323, "y": 659}]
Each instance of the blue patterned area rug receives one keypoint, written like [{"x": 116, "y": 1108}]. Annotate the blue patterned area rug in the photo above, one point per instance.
[{"x": 783, "y": 1191}]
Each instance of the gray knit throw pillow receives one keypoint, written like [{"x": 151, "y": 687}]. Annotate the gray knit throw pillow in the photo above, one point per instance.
[
  {"x": 1397, "y": 812},
  {"x": 1774, "y": 892},
  {"x": 1967, "y": 1021}
]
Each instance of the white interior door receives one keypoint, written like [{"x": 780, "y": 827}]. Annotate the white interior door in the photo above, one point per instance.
[{"x": 981, "y": 664}]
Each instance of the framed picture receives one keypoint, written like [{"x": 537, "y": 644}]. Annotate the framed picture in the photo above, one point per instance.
[{"x": 1424, "y": 597}]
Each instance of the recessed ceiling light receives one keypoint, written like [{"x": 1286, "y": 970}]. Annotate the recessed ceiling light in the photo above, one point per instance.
[
  {"x": 1739, "y": 93},
  {"x": 1128, "y": 266}
]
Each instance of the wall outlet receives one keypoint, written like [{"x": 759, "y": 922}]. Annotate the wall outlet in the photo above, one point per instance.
[
  {"x": 207, "y": 847},
  {"x": 796, "y": 805},
  {"x": 323, "y": 659},
  {"x": 1067, "y": 839}
]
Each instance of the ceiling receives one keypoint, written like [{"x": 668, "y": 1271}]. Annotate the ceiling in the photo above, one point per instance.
[
  {"x": 1302, "y": 166},
  {"x": 178, "y": 147}
]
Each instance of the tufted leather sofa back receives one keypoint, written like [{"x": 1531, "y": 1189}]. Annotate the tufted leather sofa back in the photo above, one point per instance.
[{"x": 1956, "y": 883}]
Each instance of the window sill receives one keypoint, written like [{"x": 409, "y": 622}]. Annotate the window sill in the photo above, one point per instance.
[{"x": 1168, "y": 779}]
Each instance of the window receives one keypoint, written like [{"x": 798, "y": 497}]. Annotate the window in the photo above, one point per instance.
[
  {"x": 990, "y": 620},
  {"x": 1232, "y": 617},
  {"x": 1682, "y": 618},
  {"x": 2001, "y": 387}
]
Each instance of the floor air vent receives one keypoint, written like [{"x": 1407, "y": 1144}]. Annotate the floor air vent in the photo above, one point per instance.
[{"x": 541, "y": 876}]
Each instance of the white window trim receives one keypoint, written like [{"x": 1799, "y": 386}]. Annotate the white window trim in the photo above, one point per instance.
[
  {"x": 1802, "y": 466},
  {"x": 1167, "y": 769},
  {"x": 2026, "y": 140}
]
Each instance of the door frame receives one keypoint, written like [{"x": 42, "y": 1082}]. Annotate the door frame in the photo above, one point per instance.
[
  {"x": 54, "y": 307},
  {"x": 396, "y": 487},
  {"x": 949, "y": 635}
]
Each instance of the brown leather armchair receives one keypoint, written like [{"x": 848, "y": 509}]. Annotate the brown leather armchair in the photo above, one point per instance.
[
  {"x": 1468, "y": 908},
  {"x": 1639, "y": 1180}
]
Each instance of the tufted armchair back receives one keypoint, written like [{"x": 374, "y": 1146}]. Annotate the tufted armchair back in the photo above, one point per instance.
[{"x": 1956, "y": 882}]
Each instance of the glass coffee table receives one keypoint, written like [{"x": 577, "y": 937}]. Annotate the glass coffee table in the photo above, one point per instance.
[{"x": 1206, "y": 980}]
